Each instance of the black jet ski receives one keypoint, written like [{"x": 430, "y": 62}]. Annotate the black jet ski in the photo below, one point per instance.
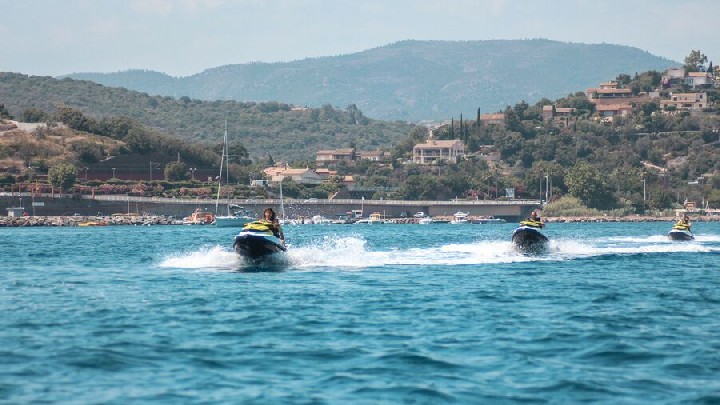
[
  {"x": 257, "y": 241},
  {"x": 528, "y": 238},
  {"x": 680, "y": 232}
]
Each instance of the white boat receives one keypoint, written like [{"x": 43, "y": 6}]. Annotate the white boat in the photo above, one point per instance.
[
  {"x": 236, "y": 215},
  {"x": 319, "y": 219},
  {"x": 460, "y": 218},
  {"x": 488, "y": 220},
  {"x": 425, "y": 220}
]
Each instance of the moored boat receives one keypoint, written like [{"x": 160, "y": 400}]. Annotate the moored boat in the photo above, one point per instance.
[
  {"x": 528, "y": 238},
  {"x": 460, "y": 218},
  {"x": 488, "y": 220},
  {"x": 237, "y": 218},
  {"x": 199, "y": 217}
]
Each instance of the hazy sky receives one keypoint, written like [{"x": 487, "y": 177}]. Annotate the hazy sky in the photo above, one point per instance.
[{"x": 183, "y": 37}]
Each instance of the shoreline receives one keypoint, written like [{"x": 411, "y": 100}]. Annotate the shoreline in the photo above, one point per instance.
[
  {"x": 148, "y": 220},
  {"x": 89, "y": 221}
]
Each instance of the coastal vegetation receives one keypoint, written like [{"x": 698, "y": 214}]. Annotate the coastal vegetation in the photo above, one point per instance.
[{"x": 653, "y": 158}]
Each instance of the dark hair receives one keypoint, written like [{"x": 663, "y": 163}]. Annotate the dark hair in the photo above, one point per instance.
[{"x": 272, "y": 214}]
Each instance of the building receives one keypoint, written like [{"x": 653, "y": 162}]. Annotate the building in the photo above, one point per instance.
[
  {"x": 435, "y": 150},
  {"x": 699, "y": 79},
  {"x": 557, "y": 114},
  {"x": 375, "y": 156},
  {"x": 614, "y": 110},
  {"x": 325, "y": 157},
  {"x": 492, "y": 119},
  {"x": 612, "y": 93},
  {"x": 303, "y": 176},
  {"x": 686, "y": 101}
]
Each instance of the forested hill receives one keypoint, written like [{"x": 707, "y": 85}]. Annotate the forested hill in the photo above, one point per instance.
[
  {"x": 270, "y": 128},
  {"x": 409, "y": 80}
]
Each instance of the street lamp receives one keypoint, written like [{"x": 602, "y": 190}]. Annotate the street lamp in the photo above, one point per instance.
[
  {"x": 113, "y": 172},
  {"x": 86, "y": 169},
  {"x": 192, "y": 172},
  {"x": 547, "y": 188}
]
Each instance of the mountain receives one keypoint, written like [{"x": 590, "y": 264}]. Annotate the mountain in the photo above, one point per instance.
[{"x": 409, "y": 80}]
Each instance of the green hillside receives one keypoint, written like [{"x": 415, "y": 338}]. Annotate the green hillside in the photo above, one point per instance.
[{"x": 269, "y": 128}]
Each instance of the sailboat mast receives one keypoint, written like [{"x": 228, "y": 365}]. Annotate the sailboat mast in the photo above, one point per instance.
[{"x": 223, "y": 161}]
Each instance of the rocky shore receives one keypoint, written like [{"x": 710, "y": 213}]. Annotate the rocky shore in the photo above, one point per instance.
[
  {"x": 694, "y": 218},
  {"x": 87, "y": 221}
]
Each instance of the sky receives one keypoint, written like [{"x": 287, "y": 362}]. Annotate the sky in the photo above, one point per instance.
[{"x": 184, "y": 37}]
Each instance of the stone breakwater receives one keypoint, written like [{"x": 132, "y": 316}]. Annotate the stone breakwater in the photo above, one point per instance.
[
  {"x": 87, "y": 221},
  {"x": 694, "y": 218}
]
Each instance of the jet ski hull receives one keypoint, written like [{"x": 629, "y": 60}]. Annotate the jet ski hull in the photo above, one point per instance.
[
  {"x": 678, "y": 234},
  {"x": 254, "y": 245},
  {"x": 529, "y": 239}
]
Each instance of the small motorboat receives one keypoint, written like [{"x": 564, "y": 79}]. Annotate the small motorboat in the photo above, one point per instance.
[
  {"x": 680, "y": 232},
  {"x": 528, "y": 238}
]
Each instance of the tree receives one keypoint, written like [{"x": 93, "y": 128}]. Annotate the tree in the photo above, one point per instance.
[
  {"x": 695, "y": 61},
  {"x": 62, "y": 176},
  {"x": 4, "y": 113},
  {"x": 175, "y": 171},
  {"x": 585, "y": 182}
]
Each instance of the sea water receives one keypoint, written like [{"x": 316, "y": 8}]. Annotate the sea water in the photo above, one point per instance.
[{"x": 613, "y": 312}]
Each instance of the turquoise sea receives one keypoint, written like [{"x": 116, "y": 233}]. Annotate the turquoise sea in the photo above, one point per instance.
[{"x": 361, "y": 314}]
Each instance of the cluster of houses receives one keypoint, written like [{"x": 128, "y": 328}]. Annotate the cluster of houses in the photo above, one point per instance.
[{"x": 610, "y": 100}]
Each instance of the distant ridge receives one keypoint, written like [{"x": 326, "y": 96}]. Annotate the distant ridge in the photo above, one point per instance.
[{"x": 409, "y": 80}]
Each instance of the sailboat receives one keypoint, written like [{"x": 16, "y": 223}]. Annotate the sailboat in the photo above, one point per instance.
[{"x": 236, "y": 215}]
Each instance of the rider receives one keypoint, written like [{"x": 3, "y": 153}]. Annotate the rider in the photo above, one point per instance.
[
  {"x": 534, "y": 220},
  {"x": 684, "y": 222},
  {"x": 270, "y": 218},
  {"x": 268, "y": 222}
]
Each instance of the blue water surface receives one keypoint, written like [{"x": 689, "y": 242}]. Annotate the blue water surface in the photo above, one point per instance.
[{"x": 613, "y": 313}]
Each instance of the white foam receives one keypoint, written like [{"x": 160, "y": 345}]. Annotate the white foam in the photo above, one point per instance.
[
  {"x": 352, "y": 253},
  {"x": 208, "y": 257}
]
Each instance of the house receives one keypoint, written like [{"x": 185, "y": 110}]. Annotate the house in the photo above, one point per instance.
[
  {"x": 686, "y": 101},
  {"x": 303, "y": 176},
  {"x": 557, "y": 114},
  {"x": 612, "y": 93},
  {"x": 699, "y": 79},
  {"x": 323, "y": 157},
  {"x": 492, "y": 119},
  {"x": 614, "y": 110},
  {"x": 324, "y": 173},
  {"x": 435, "y": 150},
  {"x": 673, "y": 76},
  {"x": 375, "y": 156}
]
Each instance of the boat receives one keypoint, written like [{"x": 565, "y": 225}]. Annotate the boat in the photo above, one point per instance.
[
  {"x": 528, "y": 238},
  {"x": 460, "y": 218},
  {"x": 425, "y": 220},
  {"x": 343, "y": 219},
  {"x": 319, "y": 219},
  {"x": 256, "y": 241},
  {"x": 93, "y": 223},
  {"x": 488, "y": 220},
  {"x": 680, "y": 232},
  {"x": 237, "y": 218},
  {"x": 375, "y": 218},
  {"x": 199, "y": 217}
]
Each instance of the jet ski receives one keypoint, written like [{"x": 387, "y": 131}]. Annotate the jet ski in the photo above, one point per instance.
[
  {"x": 680, "y": 232},
  {"x": 528, "y": 238},
  {"x": 257, "y": 241}
]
